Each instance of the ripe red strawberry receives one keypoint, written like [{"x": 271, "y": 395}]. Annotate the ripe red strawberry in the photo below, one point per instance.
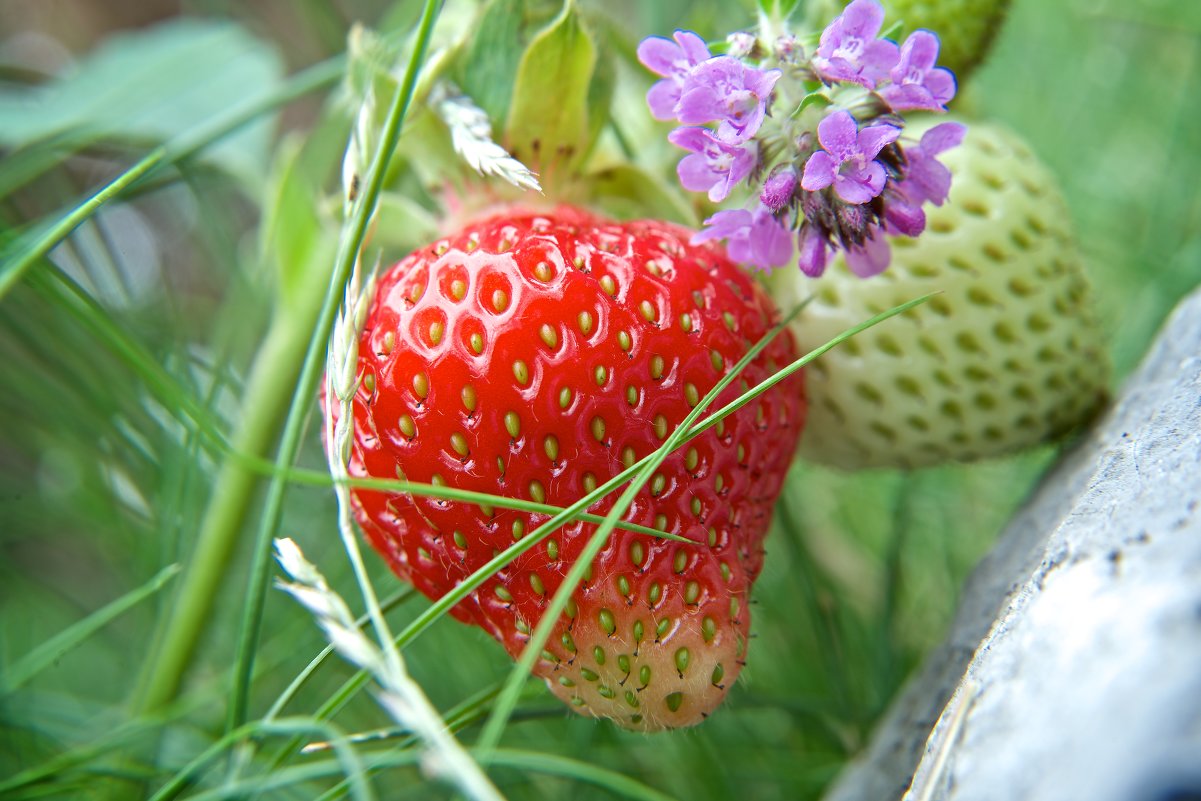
[{"x": 534, "y": 355}]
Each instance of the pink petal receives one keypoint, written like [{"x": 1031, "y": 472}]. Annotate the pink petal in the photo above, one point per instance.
[
  {"x": 814, "y": 253},
  {"x": 873, "y": 138},
  {"x": 933, "y": 181},
  {"x": 860, "y": 185},
  {"x": 659, "y": 55},
  {"x": 909, "y": 97},
  {"x": 919, "y": 51},
  {"x": 863, "y": 18},
  {"x": 723, "y": 225},
  {"x": 771, "y": 242},
  {"x": 694, "y": 47},
  {"x": 941, "y": 84},
  {"x": 760, "y": 82},
  {"x": 690, "y": 138},
  {"x": 819, "y": 173},
  {"x": 904, "y": 218},
  {"x": 838, "y": 134},
  {"x": 699, "y": 105},
  {"x": 879, "y": 57},
  {"x": 941, "y": 137},
  {"x": 696, "y": 174},
  {"x": 871, "y": 259},
  {"x": 662, "y": 99}
]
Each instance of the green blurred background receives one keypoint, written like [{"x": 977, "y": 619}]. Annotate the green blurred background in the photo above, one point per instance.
[{"x": 101, "y": 485}]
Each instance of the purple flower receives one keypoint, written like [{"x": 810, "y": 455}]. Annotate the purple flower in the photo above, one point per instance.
[
  {"x": 903, "y": 216},
  {"x": 726, "y": 91},
  {"x": 815, "y": 251},
  {"x": 755, "y": 238},
  {"x": 870, "y": 258},
  {"x": 916, "y": 82},
  {"x": 714, "y": 166},
  {"x": 848, "y": 160},
  {"x": 778, "y": 189},
  {"x": 849, "y": 49},
  {"x": 674, "y": 61},
  {"x": 926, "y": 179}
]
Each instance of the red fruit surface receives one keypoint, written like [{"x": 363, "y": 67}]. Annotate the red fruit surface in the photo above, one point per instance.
[{"x": 535, "y": 355}]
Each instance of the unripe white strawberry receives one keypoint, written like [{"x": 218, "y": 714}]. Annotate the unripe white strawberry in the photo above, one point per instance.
[{"x": 1009, "y": 355}]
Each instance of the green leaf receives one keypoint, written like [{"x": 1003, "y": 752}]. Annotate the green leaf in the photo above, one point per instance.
[
  {"x": 601, "y": 90},
  {"x": 157, "y": 83},
  {"x": 627, "y": 192},
  {"x": 369, "y": 69},
  {"x": 426, "y": 146},
  {"x": 402, "y": 224},
  {"x": 489, "y": 64},
  {"x": 548, "y": 120},
  {"x": 818, "y": 96},
  {"x": 294, "y": 237}
]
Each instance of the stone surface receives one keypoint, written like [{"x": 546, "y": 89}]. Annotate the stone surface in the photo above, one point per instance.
[{"x": 1073, "y": 668}]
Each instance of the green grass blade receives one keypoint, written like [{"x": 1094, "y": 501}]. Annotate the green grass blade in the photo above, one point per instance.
[
  {"x": 347, "y": 762},
  {"x": 60, "y": 289},
  {"x": 294, "y": 686},
  {"x": 546, "y": 764},
  {"x": 581, "y": 772},
  {"x": 43, "y": 655},
  {"x": 28, "y": 250}
]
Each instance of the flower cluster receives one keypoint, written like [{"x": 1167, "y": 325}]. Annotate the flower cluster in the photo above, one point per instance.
[{"x": 818, "y": 137}]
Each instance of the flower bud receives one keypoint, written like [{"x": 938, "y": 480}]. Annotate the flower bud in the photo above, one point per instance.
[
  {"x": 741, "y": 44},
  {"x": 778, "y": 190}
]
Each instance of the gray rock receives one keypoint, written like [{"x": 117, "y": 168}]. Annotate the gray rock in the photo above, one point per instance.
[{"x": 1073, "y": 668}]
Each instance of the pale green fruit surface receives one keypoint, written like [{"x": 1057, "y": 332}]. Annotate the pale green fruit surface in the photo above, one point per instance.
[{"x": 1009, "y": 355}]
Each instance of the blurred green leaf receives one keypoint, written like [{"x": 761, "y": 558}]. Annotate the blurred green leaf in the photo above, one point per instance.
[
  {"x": 402, "y": 224},
  {"x": 371, "y": 60},
  {"x": 490, "y": 61},
  {"x": 295, "y": 240},
  {"x": 601, "y": 90},
  {"x": 779, "y": 9},
  {"x": 626, "y": 191},
  {"x": 157, "y": 83},
  {"x": 548, "y": 120}
]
